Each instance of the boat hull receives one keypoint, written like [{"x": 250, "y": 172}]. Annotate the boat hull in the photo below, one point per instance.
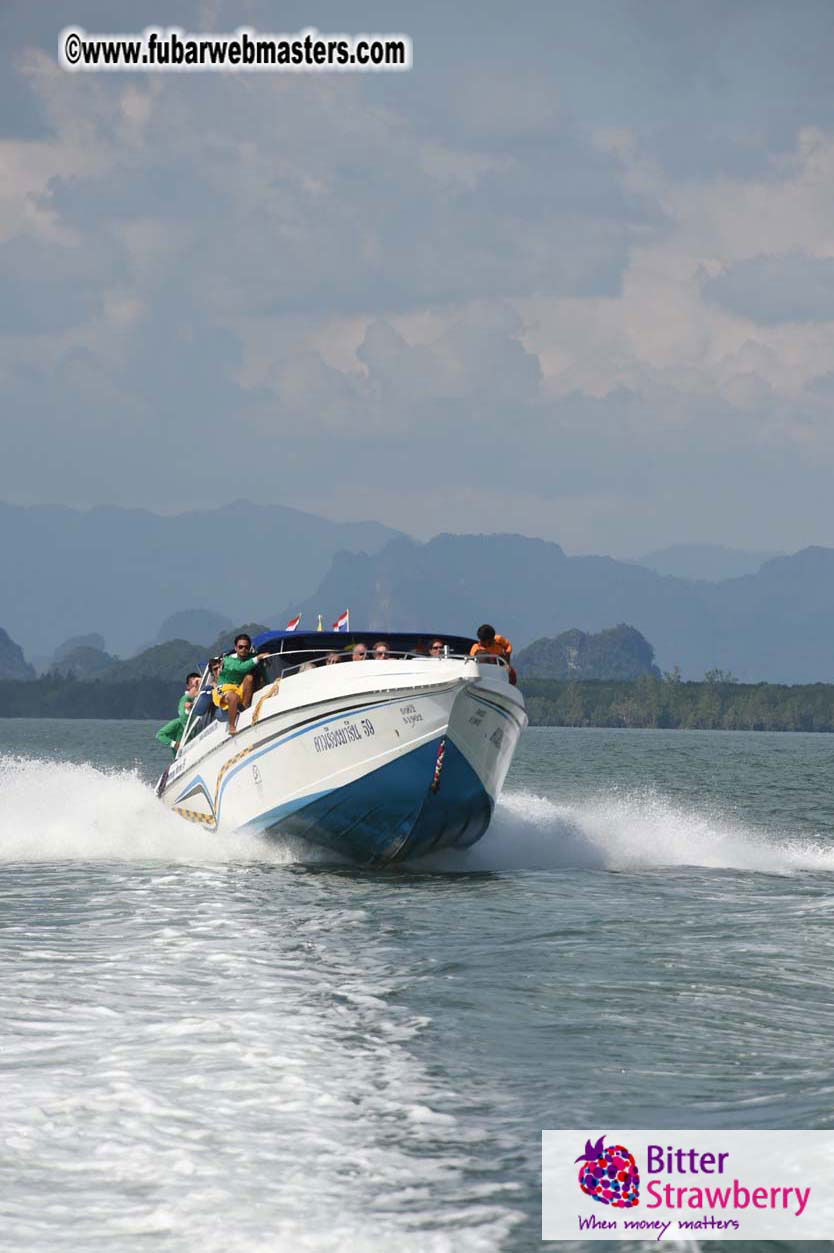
[{"x": 412, "y": 766}]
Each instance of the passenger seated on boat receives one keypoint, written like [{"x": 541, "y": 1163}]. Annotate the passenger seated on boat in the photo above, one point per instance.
[
  {"x": 332, "y": 659},
  {"x": 236, "y": 682},
  {"x": 203, "y": 703},
  {"x": 381, "y": 651},
  {"x": 436, "y": 648},
  {"x": 306, "y": 665},
  {"x": 496, "y": 646},
  {"x": 215, "y": 666},
  {"x": 359, "y": 653},
  {"x": 171, "y": 733}
]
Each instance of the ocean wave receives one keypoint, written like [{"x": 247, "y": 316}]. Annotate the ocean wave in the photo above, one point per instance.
[
  {"x": 631, "y": 831},
  {"x": 60, "y": 810},
  {"x": 52, "y": 811}
]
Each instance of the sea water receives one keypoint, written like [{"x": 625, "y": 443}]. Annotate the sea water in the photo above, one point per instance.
[{"x": 231, "y": 1044}]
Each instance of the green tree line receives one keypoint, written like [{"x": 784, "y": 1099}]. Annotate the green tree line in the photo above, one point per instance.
[
  {"x": 56, "y": 696},
  {"x": 650, "y": 702},
  {"x": 644, "y": 702}
]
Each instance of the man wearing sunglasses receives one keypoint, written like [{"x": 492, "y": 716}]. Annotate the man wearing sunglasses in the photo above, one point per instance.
[{"x": 236, "y": 680}]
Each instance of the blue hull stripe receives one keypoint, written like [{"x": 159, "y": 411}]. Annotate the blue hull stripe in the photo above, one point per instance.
[
  {"x": 499, "y": 709},
  {"x": 391, "y": 812}
]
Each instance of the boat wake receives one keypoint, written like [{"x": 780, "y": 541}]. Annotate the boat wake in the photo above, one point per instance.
[
  {"x": 53, "y": 811},
  {"x": 633, "y": 831}
]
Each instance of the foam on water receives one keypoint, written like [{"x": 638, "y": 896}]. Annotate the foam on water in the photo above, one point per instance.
[
  {"x": 633, "y": 831},
  {"x": 223, "y": 1057},
  {"x": 59, "y": 810},
  {"x": 52, "y": 811},
  {"x": 194, "y": 1062}
]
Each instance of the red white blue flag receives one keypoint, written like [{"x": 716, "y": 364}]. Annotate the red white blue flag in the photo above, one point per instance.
[
  {"x": 292, "y": 625},
  {"x": 342, "y": 623}
]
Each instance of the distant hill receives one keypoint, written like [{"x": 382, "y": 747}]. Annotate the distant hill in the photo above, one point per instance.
[
  {"x": 114, "y": 574},
  {"x": 119, "y": 572},
  {"x": 83, "y": 662},
  {"x": 193, "y": 624},
  {"x": 520, "y": 585},
  {"x": 13, "y": 665},
  {"x": 618, "y": 653},
  {"x": 169, "y": 662},
  {"x": 711, "y": 562},
  {"x": 91, "y": 640},
  {"x": 775, "y": 625},
  {"x": 172, "y": 660}
]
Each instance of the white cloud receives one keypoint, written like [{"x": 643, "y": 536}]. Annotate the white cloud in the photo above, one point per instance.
[{"x": 511, "y": 259}]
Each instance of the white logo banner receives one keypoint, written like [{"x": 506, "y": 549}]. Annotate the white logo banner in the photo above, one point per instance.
[{"x": 687, "y": 1185}]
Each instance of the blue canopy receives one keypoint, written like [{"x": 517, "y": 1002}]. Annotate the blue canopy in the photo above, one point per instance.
[{"x": 335, "y": 641}]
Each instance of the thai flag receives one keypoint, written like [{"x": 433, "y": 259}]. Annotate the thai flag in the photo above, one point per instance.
[
  {"x": 342, "y": 623},
  {"x": 292, "y": 625}
]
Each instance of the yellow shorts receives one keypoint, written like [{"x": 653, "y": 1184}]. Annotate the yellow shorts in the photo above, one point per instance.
[{"x": 218, "y": 694}]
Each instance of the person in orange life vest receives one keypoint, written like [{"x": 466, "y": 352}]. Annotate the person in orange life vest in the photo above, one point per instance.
[{"x": 497, "y": 645}]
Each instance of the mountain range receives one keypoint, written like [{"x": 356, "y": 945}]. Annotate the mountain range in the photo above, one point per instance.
[
  {"x": 119, "y": 572},
  {"x": 712, "y": 562},
  {"x": 620, "y": 653},
  {"x": 112, "y": 575},
  {"x": 776, "y": 624},
  {"x": 13, "y": 665}
]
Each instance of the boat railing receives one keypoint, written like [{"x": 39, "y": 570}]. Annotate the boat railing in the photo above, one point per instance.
[
  {"x": 316, "y": 659},
  {"x": 195, "y": 723}
]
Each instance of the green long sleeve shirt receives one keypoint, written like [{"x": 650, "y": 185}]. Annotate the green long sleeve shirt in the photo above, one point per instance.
[
  {"x": 171, "y": 733},
  {"x": 235, "y": 671}
]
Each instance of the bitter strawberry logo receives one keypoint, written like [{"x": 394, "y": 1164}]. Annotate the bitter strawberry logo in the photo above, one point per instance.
[{"x": 610, "y": 1175}]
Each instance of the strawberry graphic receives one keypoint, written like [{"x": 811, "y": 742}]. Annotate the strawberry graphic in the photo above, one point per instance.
[{"x": 610, "y": 1175}]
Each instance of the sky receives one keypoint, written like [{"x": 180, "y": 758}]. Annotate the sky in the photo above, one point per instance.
[{"x": 572, "y": 275}]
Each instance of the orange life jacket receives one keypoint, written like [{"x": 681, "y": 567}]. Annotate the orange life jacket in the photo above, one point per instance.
[{"x": 499, "y": 647}]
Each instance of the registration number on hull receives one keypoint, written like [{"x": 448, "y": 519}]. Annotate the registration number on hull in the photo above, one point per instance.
[{"x": 339, "y": 737}]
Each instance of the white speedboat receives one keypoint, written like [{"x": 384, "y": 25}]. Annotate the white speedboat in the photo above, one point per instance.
[{"x": 377, "y": 760}]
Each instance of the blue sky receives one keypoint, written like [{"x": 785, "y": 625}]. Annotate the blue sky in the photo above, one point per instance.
[{"x": 573, "y": 275}]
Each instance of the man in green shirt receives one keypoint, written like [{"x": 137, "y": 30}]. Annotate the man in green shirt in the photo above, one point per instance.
[
  {"x": 236, "y": 680},
  {"x": 172, "y": 732}
]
